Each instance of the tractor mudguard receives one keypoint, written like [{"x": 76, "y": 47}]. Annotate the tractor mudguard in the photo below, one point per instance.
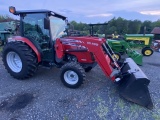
[
  {"x": 133, "y": 85},
  {"x": 29, "y": 43}
]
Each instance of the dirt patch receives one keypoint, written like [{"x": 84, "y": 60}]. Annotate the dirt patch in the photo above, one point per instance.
[
  {"x": 16, "y": 102},
  {"x": 21, "y": 101}
]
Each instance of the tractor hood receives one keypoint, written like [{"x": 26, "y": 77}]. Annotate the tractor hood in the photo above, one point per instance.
[
  {"x": 85, "y": 39},
  {"x": 86, "y": 43}
]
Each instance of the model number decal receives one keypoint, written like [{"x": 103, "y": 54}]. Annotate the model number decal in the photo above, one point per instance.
[{"x": 90, "y": 43}]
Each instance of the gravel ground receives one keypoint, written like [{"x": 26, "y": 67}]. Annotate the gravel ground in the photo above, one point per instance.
[{"x": 43, "y": 97}]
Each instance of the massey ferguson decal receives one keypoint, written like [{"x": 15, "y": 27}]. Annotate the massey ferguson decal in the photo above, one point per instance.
[
  {"x": 72, "y": 42},
  {"x": 91, "y": 43}
]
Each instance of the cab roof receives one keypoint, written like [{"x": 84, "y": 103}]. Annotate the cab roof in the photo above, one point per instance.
[{"x": 39, "y": 11}]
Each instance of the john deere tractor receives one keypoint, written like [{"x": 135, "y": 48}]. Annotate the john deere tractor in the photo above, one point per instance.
[
  {"x": 122, "y": 48},
  {"x": 143, "y": 41},
  {"x": 127, "y": 44}
]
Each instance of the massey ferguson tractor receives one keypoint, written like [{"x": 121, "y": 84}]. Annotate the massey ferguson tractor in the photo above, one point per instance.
[{"x": 43, "y": 42}]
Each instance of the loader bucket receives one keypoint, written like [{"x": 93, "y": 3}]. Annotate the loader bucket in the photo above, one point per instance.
[{"x": 133, "y": 86}]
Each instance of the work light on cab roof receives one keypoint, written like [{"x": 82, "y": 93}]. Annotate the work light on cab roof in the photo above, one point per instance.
[{"x": 12, "y": 9}]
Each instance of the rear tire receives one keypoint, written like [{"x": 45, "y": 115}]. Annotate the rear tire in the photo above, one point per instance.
[
  {"x": 146, "y": 51},
  {"x": 19, "y": 60},
  {"x": 72, "y": 75}
]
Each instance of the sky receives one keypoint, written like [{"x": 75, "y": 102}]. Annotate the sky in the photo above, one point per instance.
[{"x": 90, "y": 11}]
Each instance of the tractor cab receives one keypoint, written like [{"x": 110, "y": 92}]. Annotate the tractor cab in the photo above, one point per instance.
[{"x": 41, "y": 27}]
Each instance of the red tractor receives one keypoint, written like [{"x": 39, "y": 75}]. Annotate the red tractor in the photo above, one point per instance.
[{"x": 43, "y": 41}]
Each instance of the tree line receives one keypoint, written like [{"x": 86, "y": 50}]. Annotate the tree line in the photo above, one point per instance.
[
  {"x": 118, "y": 26},
  {"x": 5, "y": 18}
]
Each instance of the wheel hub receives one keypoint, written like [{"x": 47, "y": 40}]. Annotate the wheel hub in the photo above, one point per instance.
[
  {"x": 148, "y": 52},
  {"x": 14, "y": 62},
  {"x": 71, "y": 77},
  {"x": 115, "y": 56}
]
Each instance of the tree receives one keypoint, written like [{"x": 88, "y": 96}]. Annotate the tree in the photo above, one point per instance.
[
  {"x": 119, "y": 26},
  {"x": 146, "y": 27},
  {"x": 156, "y": 23},
  {"x": 134, "y": 27},
  {"x": 5, "y": 18}
]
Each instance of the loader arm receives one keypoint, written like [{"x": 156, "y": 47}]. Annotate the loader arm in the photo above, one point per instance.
[{"x": 96, "y": 46}]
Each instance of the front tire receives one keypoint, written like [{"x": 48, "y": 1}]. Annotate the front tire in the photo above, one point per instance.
[
  {"x": 19, "y": 60},
  {"x": 147, "y": 51},
  {"x": 72, "y": 75}
]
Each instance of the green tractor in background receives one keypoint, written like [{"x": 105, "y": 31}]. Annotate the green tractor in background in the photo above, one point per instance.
[
  {"x": 127, "y": 44},
  {"x": 143, "y": 41},
  {"x": 121, "y": 47},
  {"x": 4, "y": 35},
  {"x": 7, "y": 29}
]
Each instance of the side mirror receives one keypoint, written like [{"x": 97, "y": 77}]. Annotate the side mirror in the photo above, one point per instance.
[{"x": 46, "y": 23}]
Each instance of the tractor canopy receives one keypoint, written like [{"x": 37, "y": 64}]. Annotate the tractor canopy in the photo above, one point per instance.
[
  {"x": 44, "y": 22},
  {"x": 13, "y": 11}
]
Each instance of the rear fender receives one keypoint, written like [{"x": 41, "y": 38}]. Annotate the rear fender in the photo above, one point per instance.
[{"x": 28, "y": 42}]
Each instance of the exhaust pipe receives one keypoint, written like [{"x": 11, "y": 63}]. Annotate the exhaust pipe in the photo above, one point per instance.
[{"x": 134, "y": 84}]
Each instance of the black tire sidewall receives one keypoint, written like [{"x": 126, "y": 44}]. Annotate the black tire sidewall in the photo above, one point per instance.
[{"x": 22, "y": 57}]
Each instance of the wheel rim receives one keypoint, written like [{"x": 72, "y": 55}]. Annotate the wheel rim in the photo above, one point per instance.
[
  {"x": 71, "y": 77},
  {"x": 115, "y": 56},
  {"x": 14, "y": 62},
  {"x": 148, "y": 52}
]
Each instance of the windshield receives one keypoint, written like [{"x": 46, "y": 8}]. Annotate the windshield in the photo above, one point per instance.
[{"x": 57, "y": 27}]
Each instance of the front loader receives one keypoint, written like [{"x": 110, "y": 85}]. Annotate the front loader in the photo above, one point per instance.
[
  {"x": 43, "y": 42},
  {"x": 121, "y": 47}
]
